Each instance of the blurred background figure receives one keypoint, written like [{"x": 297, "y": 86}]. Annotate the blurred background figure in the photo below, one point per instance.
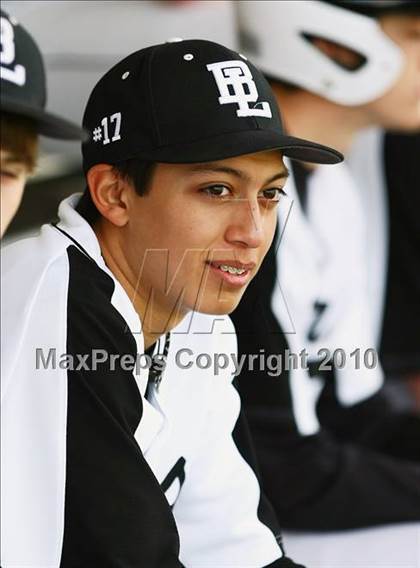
[
  {"x": 23, "y": 115},
  {"x": 386, "y": 166},
  {"x": 335, "y": 451},
  {"x": 400, "y": 339},
  {"x": 79, "y": 41}
]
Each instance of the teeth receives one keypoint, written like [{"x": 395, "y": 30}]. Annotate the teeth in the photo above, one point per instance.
[{"x": 231, "y": 269}]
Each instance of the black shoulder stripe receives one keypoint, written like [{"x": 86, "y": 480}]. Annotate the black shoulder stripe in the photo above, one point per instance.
[{"x": 115, "y": 512}]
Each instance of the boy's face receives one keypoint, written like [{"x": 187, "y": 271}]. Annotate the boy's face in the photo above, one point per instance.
[
  {"x": 199, "y": 235},
  {"x": 399, "y": 108},
  {"x": 13, "y": 178}
]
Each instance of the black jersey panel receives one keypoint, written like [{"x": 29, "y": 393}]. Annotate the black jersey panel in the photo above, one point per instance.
[
  {"x": 115, "y": 511},
  {"x": 316, "y": 483},
  {"x": 243, "y": 441},
  {"x": 259, "y": 334},
  {"x": 400, "y": 346},
  {"x": 374, "y": 422}
]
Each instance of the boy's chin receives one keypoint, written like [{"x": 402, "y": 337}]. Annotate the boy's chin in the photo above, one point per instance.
[{"x": 219, "y": 308}]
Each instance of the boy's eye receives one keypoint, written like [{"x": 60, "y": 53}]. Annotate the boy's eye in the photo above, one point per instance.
[
  {"x": 217, "y": 191},
  {"x": 273, "y": 194},
  {"x": 8, "y": 174}
]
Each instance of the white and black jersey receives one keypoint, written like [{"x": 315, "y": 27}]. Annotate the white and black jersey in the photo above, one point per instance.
[
  {"x": 333, "y": 453},
  {"x": 94, "y": 473}
]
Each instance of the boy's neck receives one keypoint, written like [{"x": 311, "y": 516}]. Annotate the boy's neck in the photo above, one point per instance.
[
  {"x": 309, "y": 116},
  {"x": 154, "y": 322}
]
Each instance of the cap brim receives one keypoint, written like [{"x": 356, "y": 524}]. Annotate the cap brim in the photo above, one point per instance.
[
  {"x": 46, "y": 123},
  {"x": 244, "y": 142}
]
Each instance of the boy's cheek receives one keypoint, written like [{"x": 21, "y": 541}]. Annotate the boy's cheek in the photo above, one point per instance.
[{"x": 10, "y": 197}]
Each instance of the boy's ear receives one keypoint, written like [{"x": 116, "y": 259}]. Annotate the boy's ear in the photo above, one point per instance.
[{"x": 108, "y": 193}]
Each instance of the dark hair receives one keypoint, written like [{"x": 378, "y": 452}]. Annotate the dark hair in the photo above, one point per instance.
[
  {"x": 19, "y": 137},
  {"x": 138, "y": 173},
  {"x": 135, "y": 171}
]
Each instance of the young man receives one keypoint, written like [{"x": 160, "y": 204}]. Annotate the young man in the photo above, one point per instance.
[
  {"x": 23, "y": 115},
  {"x": 329, "y": 416},
  {"x": 184, "y": 171}
]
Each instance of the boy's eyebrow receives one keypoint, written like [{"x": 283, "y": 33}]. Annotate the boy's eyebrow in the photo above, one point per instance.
[{"x": 209, "y": 168}]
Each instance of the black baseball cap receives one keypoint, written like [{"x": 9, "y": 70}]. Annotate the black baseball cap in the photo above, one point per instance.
[
  {"x": 23, "y": 82},
  {"x": 186, "y": 102}
]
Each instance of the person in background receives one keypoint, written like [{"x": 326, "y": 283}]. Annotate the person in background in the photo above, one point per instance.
[
  {"x": 388, "y": 164},
  {"x": 23, "y": 114},
  {"x": 334, "y": 451}
]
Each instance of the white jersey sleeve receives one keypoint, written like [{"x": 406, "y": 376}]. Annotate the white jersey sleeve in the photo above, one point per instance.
[{"x": 220, "y": 511}]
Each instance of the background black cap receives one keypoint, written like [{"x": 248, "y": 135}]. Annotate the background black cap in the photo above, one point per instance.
[
  {"x": 185, "y": 102},
  {"x": 377, "y": 8},
  {"x": 23, "y": 82}
]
